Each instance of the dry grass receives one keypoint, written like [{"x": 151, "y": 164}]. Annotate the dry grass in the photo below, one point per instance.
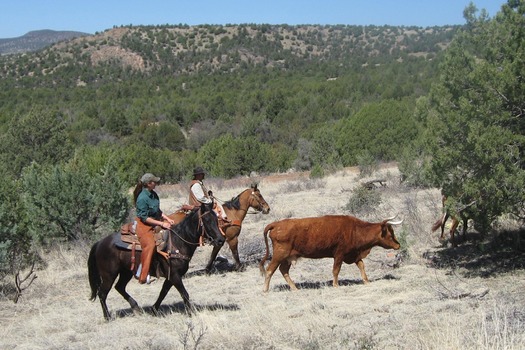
[{"x": 470, "y": 297}]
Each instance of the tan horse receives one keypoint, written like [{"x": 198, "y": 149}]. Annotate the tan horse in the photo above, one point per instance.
[
  {"x": 236, "y": 210},
  {"x": 440, "y": 223}
]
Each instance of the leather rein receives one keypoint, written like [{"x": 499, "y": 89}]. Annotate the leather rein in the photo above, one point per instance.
[{"x": 176, "y": 254}]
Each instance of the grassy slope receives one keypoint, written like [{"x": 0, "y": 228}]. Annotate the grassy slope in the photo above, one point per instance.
[{"x": 435, "y": 300}]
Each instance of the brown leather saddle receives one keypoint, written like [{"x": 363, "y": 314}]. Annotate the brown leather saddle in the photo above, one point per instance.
[{"x": 131, "y": 240}]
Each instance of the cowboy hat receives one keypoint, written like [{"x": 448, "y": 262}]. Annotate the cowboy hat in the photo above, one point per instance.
[
  {"x": 148, "y": 177},
  {"x": 198, "y": 170}
]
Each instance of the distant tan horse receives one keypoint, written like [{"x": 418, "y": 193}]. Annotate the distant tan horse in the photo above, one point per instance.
[
  {"x": 236, "y": 210},
  {"x": 440, "y": 223}
]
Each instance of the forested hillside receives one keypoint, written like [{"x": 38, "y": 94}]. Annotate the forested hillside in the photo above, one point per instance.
[{"x": 235, "y": 99}]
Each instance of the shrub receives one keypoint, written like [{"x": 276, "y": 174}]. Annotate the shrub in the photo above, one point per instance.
[
  {"x": 317, "y": 172},
  {"x": 67, "y": 202},
  {"x": 15, "y": 241},
  {"x": 367, "y": 163},
  {"x": 363, "y": 200}
]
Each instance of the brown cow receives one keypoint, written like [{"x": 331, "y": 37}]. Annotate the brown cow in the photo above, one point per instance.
[{"x": 344, "y": 238}]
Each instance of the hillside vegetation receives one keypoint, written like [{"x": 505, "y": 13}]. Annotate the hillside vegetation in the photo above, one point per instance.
[{"x": 253, "y": 96}]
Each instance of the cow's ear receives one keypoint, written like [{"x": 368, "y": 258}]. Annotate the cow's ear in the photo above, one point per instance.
[{"x": 384, "y": 229}]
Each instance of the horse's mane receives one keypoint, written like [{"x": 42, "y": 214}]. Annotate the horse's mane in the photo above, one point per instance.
[
  {"x": 183, "y": 227},
  {"x": 233, "y": 203}
]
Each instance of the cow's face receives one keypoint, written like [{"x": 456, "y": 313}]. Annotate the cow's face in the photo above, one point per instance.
[{"x": 388, "y": 238}]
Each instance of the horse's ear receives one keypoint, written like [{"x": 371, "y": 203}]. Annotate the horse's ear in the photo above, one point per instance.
[{"x": 254, "y": 185}]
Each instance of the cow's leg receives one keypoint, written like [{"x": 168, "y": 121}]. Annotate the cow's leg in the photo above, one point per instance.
[
  {"x": 361, "y": 265},
  {"x": 272, "y": 266},
  {"x": 285, "y": 268},
  {"x": 338, "y": 261}
]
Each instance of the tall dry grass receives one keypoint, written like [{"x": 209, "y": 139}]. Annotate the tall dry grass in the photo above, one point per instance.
[{"x": 438, "y": 298}]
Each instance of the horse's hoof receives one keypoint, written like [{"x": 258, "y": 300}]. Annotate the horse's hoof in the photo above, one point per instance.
[
  {"x": 221, "y": 259},
  {"x": 155, "y": 311}
]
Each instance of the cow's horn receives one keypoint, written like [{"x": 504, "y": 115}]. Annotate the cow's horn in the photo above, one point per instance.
[
  {"x": 390, "y": 222},
  {"x": 391, "y": 218}
]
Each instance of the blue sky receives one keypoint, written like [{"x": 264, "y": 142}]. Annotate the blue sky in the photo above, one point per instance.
[{"x": 17, "y": 17}]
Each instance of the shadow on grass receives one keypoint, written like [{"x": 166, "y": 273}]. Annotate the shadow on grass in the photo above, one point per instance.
[
  {"x": 329, "y": 284},
  {"x": 177, "y": 308},
  {"x": 477, "y": 256},
  {"x": 222, "y": 265}
]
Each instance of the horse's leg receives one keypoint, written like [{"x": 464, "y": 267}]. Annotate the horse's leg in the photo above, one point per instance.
[
  {"x": 465, "y": 222},
  {"x": 125, "y": 277},
  {"x": 163, "y": 292},
  {"x": 213, "y": 256},
  {"x": 107, "y": 282},
  {"x": 445, "y": 218},
  {"x": 455, "y": 223},
  {"x": 177, "y": 282},
  {"x": 234, "y": 247}
]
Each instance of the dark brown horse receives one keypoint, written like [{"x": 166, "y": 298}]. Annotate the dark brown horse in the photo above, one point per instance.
[
  {"x": 107, "y": 260},
  {"x": 236, "y": 210}
]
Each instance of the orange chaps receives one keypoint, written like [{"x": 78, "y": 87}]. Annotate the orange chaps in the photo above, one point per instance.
[{"x": 147, "y": 242}]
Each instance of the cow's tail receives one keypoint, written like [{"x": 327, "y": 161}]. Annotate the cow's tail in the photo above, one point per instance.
[
  {"x": 94, "y": 276},
  {"x": 263, "y": 261}
]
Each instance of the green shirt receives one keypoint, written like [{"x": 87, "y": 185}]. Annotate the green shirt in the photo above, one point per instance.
[{"x": 148, "y": 205}]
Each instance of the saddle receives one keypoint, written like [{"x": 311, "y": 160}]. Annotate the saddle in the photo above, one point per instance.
[
  {"x": 131, "y": 240},
  {"x": 224, "y": 224}
]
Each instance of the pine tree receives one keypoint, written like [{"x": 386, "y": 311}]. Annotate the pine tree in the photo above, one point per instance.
[{"x": 476, "y": 116}]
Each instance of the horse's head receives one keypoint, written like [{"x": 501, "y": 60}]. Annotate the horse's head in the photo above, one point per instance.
[
  {"x": 210, "y": 224},
  {"x": 257, "y": 201}
]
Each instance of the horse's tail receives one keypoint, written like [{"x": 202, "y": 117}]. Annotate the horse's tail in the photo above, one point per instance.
[
  {"x": 437, "y": 224},
  {"x": 268, "y": 228},
  {"x": 94, "y": 276}
]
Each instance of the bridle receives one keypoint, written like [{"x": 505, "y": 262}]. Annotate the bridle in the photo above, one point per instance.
[{"x": 259, "y": 203}]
